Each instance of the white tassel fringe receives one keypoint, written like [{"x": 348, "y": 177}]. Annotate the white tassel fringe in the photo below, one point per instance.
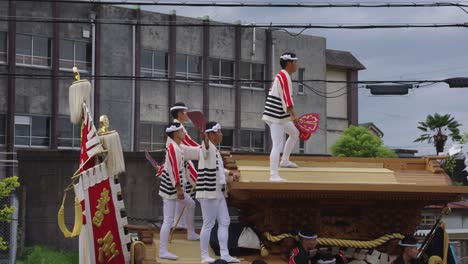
[
  {"x": 79, "y": 92},
  {"x": 114, "y": 160}
]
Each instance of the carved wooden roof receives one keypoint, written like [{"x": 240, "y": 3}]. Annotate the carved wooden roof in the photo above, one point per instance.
[{"x": 362, "y": 178}]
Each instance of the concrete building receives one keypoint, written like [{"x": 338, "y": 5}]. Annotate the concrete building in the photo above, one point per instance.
[
  {"x": 160, "y": 61},
  {"x": 342, "y": 103},
  {"x": 373, "y": 128}
]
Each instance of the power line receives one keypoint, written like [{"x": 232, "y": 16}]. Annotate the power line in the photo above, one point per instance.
[
  {"x": 208, "y": 24},
  {"x": 201, "y": 80},
  {"x": 327, "y": 94},
  {"x": 260, "y": 4},
  {"x": 451, "y": 68}
]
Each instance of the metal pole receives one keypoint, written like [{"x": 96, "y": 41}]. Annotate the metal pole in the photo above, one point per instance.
[{"x": 14, "y": 229}]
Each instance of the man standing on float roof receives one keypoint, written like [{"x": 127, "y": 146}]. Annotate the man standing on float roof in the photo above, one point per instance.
[{"x": 280, "y": 116}]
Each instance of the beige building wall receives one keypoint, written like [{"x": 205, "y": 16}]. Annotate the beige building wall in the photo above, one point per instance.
[{"x": 337, "y": 113}]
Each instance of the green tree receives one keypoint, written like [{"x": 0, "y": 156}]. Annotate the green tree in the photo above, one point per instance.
[
  {"x": 7, "y": 185},
  {"x": 360, "y": 142},
  {"x": 437, "y": 129},
  {"x": 463, "y": 138}
]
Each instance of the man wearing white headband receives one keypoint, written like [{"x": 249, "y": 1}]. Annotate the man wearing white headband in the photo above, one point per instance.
[
  {"x": 179, "y": 113},
  {"x": 307, "y": 242},
  {"x": 279, "y": 115},
  {"x": 211, "y": 191},
  {"x": 175, "y": 185},
  {"x": 409, "y": 246}
]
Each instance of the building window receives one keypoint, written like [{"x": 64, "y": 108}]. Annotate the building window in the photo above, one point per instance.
[
  {"x": 33, "y": 50},
  {"x": 3, "y": 47},
  {"x": 300, "y": 84},
  {"x": 252, "y": 140},
  {"x": 228, "y": 139},
  {"x": 32, "y": 131},
  {"x": 2, "y": 128},
  {"x": 252, "y": 72},
  {"x": 301, "y": 146},
  {"x": 193, "y": 133},
  {"x": 69, "y": 135},
  {"x": 75, "y": 53},
  {"x": 428, "y": 219},
  {"x": 153, "y": 64},
  {"x": 152, "y": 136},
  {"x": 188, "y": 66},
  {"x": 221, "y": 71}
]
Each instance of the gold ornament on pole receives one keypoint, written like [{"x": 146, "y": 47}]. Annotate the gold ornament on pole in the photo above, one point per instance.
[
  {"x": 79, "y": 93},
  {"x": 110, "y": 140}
]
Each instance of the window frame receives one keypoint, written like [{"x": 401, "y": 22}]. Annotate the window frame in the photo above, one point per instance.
[
  {"x": 217, "y": 80},
  {"x": 300, "y": 84},
  {"x": 186, "y": 75},
  {"x": 88, "y": 64},
  {"x": 30, "y": 124},
  {"x": 428, "y": 219},
  {"x": 251, "y": 147},
  {"x": 250, "y": 85},
  {"x": 226, "y": 147},
  {"x": 157, "y": 74},
  {"x": 302, "y": 146},
  {"x": 6, "y": 49},
  {"x": 49, "y": 66},
  {"x": 4, "y": 131},
  {"x": 73, "y": 138},
  {"x": 158, "y": 145}
]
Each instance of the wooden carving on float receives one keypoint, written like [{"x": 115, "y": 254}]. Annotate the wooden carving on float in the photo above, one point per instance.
[{"x": 346, "y": 199}]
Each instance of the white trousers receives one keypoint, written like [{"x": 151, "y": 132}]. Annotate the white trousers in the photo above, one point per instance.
[
  {"x": 178, "y": 210},
  {"x": 212, "y": 210},
  {"x": 277, "y": 131},
  {"x": 169, "y": 210}
]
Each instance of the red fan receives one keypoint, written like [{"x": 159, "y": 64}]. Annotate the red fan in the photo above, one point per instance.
[
  {"x": 198, "y": 120},
  {"x": 307, "y": 125},
  {"x": 151, "y": 160}
]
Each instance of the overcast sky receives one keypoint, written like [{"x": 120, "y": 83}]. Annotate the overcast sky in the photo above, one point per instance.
[{"x": 387, "y": 54}]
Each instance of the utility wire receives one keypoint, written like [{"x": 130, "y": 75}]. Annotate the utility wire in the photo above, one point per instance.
[
  {"x": 208, "y": 24},
  {"x": 201, "y": 80},
  {"x": 259, "y": 4},
  {"x": 464, "y": 10}
]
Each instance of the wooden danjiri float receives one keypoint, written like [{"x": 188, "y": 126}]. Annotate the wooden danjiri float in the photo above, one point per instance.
[{"x": 360, "y": 206}]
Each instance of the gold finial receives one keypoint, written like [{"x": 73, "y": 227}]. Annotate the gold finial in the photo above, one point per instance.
[
  {"x": 446, "y": 211},
  {"x": 76, "y": 73},
  {"x": 104, "y": 126}
]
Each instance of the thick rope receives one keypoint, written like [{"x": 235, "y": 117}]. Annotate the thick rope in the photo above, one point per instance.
[
  {"x": 132, "y": 250},
  {"x": 78, "y": 223},
  {"x": 340, "y": 242}
]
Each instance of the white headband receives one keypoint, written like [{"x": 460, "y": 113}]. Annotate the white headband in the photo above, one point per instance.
[
  {"x": 407, "y": 245},
  {"x": 173, "y": 128},
  {"x": 215, "y": 128},
  {"x": 178, "y": 107},
  {"x": 307, "y": 237},
  {"x": 326, "y": 261},
  {"x": 288, "y": 57}
]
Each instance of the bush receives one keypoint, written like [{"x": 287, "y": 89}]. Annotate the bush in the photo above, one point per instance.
[
  {"x": 359, "y": 142},
  {"x": 43, "y": 255},
  {"x": 7, "y": 186}
]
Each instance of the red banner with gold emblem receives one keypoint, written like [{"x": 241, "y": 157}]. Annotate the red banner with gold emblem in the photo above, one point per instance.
[{"x": 105, "y": 225}]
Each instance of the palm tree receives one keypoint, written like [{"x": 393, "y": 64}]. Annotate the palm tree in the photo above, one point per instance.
[{"x": 436, "y": 128}]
